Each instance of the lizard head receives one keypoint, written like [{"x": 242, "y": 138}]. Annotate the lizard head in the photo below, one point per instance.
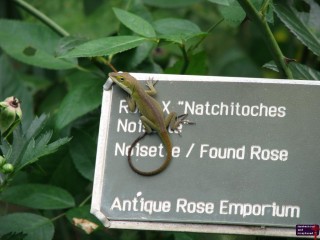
[{"x": 123, "y": 80}]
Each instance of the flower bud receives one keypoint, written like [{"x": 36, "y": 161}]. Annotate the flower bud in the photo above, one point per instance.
[
  {"x": 2, "y": 161},
  {"x": 7, "y": 168},
  {"x": 10, "y": 115}
]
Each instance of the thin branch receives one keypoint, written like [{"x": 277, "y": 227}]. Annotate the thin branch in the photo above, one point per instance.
[
  {"x": 58, "y": 217},
  {"x": 209, "y": 30},
  {"x": 42, "y": 17},
  {"x": 85, "y": 200},
  {"x": 106, "y": 62},
  {"x": 272, "y": 44}
]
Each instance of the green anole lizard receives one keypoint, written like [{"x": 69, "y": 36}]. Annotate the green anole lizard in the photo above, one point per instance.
[{"x": 152, "y": 116}]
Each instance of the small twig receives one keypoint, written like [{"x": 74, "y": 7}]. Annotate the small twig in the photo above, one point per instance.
[
  {"x": 64, "y": 213},
  {"x": 58, "y": 217},
  {"x": 85, "y": 200},
  {"x": 208, "y": 31},
  {"x": 104, "y": 61}
]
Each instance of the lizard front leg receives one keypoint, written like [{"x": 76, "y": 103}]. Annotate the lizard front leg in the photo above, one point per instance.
[
  {"x": 131, "y": 104},
  {"x": 150, "y": 84},
  {"x": 173, "y": 121}
]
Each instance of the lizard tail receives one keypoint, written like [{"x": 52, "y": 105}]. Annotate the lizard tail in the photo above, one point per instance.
[{"x": 166, "y": 141}]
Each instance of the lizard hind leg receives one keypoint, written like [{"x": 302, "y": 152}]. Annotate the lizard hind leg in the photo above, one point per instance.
[{"x": 173, "y": 121}]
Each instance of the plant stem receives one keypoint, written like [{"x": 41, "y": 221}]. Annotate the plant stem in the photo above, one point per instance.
[
  {"x": 272, "y": 44},
  {"x": 264, "y": 7},
  {"x": 204, "y": 37},
  {"x": 58, "y": 217},
  {"x": 185, "y": 58},
  {"x": 42, "y": 17},
  {"x": 85, "y": 200}
]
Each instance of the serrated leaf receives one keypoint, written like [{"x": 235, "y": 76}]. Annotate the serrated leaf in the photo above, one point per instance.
[
  {"x": 83, "y": 153},
  {"x": 39, "y": 147},
  {"x": 105, "y": 46},
  {"x": 299, "y": 71},
  {"x": 171, "y": 3},
  {"x": 38, "y": 196},
  {"x": 28, "y": 147},
  {"x": 21, "y": 139},
  {"x": 36, "y": 126},
  {"x": 32, "y": 44},
  {"x": 35, "y": 226},
  {"x": 135, "y": 23},
  {"x": 79, "y": 101},
  {"x": 304, "y": 72},
  {"x": 289, "y": 16}
]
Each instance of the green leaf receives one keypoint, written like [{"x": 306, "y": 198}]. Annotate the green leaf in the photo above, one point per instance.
[
  {"x": 83, "y": 153},
  {"x": 35, "y": 226},
  {"x": 234, "y": 62},
  {"x": 182, "y": 236},
  {"x": 139, "y": 54},
  {"x": 83, "y": 98},
  {"x": 197, "y": 65},
  {"x": 299, "y": 71},
  {"x": 32, "y": 44},
  {"x": 38, "y": 196},
  {"x": 135, "y": 23},
  {"x": 304, "y": 72},
  {"x": 233, "y": 13},
  {"x": 222, "y": 2},
  {"x": 176, "y": 26},
  {"x": 28, "y": 146},
  {"x": 171, "y": 3},
  {"x": 105, "y": 46},
  {"x": 290, "y": 17},
  {"x": 176, "y": 30},
  {"x": 13, "y": 236},
  {"x": 66, "y": 44},
  {"x": 39, "y": 147},
  {"x": 21, "y": 140}
]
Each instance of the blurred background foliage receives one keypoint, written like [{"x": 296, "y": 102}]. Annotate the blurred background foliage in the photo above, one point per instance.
[{"x": 70, "y": 89}]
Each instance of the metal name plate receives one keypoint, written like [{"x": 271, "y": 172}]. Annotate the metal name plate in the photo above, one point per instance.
[{"x": 250, "y": 165}]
